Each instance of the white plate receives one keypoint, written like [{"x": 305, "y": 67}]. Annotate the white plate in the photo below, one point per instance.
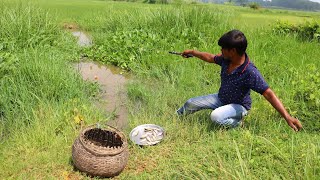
[{"x": 147, "y": 134}]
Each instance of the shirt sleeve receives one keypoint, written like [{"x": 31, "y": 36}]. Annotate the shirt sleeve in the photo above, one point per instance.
[
  {"x": 257, "y": 82},
  {"x": 218, "y": 59}
]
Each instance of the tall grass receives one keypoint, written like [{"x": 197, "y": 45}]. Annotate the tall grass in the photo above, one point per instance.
[
  {"x": 120, "y": 37},
  {"x": 42, "y": 95},
  {"x": 40, "y": 92},
  {"x": 26, "y": 26}
]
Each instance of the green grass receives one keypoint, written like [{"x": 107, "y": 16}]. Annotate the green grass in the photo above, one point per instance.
[{"x": 41, "y": 93}]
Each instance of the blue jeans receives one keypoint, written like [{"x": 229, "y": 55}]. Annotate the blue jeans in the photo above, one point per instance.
[{"x": 226, "y": 115}]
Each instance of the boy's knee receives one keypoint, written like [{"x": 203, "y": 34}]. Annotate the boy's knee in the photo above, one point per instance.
[{"x": 216, "y": 117}]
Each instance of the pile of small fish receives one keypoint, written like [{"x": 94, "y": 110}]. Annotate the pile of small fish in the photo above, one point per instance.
[{"x": 149, "y": 136}]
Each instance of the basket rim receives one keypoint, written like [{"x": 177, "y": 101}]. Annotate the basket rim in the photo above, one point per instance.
[{"x": 103, "y": 151}]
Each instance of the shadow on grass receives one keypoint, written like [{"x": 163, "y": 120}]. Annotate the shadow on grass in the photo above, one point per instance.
[
  {"x": 75, "y": 169},
  {"x": 202, "y": 118}
]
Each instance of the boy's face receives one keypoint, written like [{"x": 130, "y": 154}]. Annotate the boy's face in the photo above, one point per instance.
[{"x": 228, "y": 53}]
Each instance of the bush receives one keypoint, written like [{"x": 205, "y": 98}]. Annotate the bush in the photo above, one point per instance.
[
  {"x": 307, "y": 31},
  {"x": 254, "y": 5}
]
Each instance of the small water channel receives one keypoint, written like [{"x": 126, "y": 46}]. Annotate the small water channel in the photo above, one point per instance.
[
  {"x": 83, "y": 39},
  {"x": 113, "y": 95}
]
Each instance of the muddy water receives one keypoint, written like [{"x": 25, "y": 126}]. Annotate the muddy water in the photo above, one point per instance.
[
  {"x": 83, "y": 39},
  {"x": 113, "y": 96}
]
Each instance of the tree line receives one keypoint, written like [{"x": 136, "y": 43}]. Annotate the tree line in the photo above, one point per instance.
[{"x": 292, "y": 4}]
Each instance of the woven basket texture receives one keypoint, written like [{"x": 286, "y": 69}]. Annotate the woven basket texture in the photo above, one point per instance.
[{"x": 98, "y": 160}]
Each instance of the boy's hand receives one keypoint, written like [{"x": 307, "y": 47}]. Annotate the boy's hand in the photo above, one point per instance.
[
  {"x": 208, "y": 57},
  {"x": 187, "y": 53},
  {"x": 294, "y": 123}
]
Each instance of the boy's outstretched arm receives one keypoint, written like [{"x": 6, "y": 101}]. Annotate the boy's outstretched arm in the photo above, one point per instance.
[
  {"x": 208, "y": 57},
  {"x": 277, "y": 104}
]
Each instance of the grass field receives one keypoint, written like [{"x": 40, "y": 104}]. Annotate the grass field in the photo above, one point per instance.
[{"x": 41, "y": 94}]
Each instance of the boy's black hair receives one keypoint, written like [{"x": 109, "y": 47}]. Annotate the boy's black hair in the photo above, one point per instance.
[{"x": 234, "y": 39}]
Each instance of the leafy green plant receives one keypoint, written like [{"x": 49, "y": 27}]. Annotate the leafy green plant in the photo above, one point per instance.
[{"x": 123, "y": 48}]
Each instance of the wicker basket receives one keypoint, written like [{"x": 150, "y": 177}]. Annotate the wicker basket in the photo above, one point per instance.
[{"x": 98, "y": 160}]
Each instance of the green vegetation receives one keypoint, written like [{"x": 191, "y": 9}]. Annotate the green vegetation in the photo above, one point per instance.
[
  {"x": 254, "y": 5},
  {"x": 307, "y": 31},
  {"x": 41, "y": 94}
]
